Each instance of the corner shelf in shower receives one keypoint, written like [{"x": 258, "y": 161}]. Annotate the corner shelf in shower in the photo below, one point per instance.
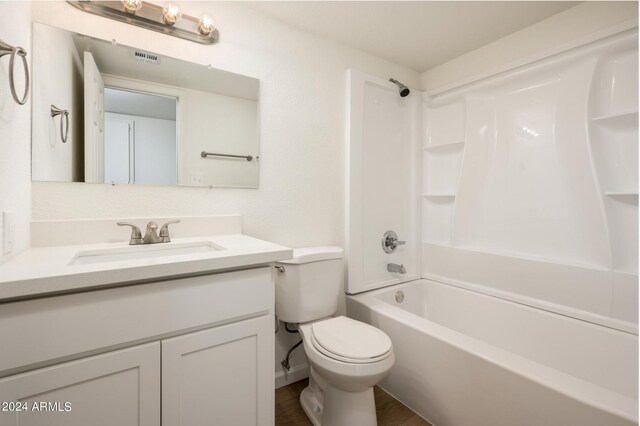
[
  {"x": 624, "y": 120},
  {"x": 433, "y": 195},
  {"x": 450, "y": 146},
  {"x": 628, "y": 197}
]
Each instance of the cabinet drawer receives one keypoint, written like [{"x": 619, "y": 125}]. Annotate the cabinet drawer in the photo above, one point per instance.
[
  {"x": 44, "y": 331},
  {"x": 116, "y": 388}
]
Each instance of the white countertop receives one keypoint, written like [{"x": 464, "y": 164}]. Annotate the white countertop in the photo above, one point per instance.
[{"x": 47, "y": 270}]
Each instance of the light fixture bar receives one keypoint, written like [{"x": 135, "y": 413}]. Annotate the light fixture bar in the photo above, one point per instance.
[{"x": 149, "y": 17}]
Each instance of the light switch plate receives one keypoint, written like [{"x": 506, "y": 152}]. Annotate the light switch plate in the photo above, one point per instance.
[{"x": 8, "y": 231}]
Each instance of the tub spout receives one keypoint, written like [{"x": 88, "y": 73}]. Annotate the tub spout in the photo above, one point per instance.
[{"x": 394, "y": 267}]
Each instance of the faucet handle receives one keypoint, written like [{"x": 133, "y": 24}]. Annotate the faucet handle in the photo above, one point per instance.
[
  {"x": 164, "y": 231},
  {"x": 136, "y": 235},
  {"x": 390, "y": 242},
  {"x": 397, "y": 243}
]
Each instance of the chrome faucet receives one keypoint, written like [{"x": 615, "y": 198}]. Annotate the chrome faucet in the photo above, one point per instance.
[
  {"x": 151, "y": 234},
  {"x": 394, "y": 267}
]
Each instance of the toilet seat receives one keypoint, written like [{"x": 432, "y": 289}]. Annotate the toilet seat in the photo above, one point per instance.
[{"x": 350, "y": 341}]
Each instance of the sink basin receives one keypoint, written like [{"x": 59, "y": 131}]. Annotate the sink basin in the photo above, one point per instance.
[{"x": 149, "y": 251}]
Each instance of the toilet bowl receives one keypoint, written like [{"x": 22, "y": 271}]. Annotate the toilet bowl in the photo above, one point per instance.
[{"x": 347, "y": 358}]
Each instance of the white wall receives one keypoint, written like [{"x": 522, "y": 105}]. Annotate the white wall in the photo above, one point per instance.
[
  {"x": 15, "y": 127},
  {"x": 302, "y": 126},
  {"x": 300, "y": 201},
  {"x": 563, "y": 28}
]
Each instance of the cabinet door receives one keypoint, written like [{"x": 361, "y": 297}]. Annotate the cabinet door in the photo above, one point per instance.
[
  {"x": 117, "y": 388},
  {"x": 220, "y": 376}
]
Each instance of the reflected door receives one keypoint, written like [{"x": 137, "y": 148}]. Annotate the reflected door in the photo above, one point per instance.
[
  {"x": 118, "y": 149},
  {"x": 139, "y": 150},
  {"x": 93, "y": 121}
]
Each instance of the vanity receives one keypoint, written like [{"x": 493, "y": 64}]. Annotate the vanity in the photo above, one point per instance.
[
  {"x": 98, "y": 327},
  {"x": 174, "y": 334}
]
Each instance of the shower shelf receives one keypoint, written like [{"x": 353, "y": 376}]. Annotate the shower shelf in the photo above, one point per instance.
[
  {"x": 432, "y": 195},
  {"x": 444, "y": 147},
  {"x": 620, "y": 120},
  {"x": 628, "y": 197}
]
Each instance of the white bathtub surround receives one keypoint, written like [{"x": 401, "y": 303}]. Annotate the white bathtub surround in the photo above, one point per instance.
[
  {"x": 505, "y": 363},
  {"x": 383, "y": 171},
  {"x": 528, "y": 194},
  {"x": 530, "y": 184}
]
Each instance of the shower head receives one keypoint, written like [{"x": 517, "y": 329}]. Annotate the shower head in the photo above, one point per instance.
[{"x": 404, "y": 90}]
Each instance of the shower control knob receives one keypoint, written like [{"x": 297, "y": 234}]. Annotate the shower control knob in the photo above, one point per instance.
[{"x": 390, "y": 242}]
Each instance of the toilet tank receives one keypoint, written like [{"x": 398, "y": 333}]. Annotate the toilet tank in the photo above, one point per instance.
[{"x": 309, "y": 285}]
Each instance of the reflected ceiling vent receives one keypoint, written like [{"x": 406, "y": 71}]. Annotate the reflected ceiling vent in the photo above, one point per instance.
[{"x": 145, "y": 56}]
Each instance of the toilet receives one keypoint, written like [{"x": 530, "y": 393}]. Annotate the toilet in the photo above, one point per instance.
[{"x": 346, "y": 357}]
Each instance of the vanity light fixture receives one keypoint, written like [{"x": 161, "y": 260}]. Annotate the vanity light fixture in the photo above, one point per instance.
[
  {"x": 132, "y": 6},
  {"x": 167, "y": 20},
  {"x": 205, "y": 26},
  {"x": 171, "y": 14}
]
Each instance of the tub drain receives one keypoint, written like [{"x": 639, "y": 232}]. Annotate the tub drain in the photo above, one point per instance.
[{"x": 399, "y": 296}]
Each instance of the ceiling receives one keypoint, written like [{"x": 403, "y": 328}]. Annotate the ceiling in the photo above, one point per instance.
[{"x": 416, "y": 34}]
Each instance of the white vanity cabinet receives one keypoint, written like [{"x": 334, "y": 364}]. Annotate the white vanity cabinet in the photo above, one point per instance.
[
  {"x": 190, "y": 351},
  {"x": 221, "y": 376},
  {"x": 117, "y": 388}
]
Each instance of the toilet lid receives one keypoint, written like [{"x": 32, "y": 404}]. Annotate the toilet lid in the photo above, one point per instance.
[{"x": 350, "y": 340}]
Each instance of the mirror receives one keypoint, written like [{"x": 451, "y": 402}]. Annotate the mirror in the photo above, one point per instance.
[{"x": 106, "y": 113}]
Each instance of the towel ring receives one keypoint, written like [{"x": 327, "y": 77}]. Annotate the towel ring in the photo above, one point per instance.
[
  {"x": 64, "y": 130},
  {"x": 5, "y": 49}
]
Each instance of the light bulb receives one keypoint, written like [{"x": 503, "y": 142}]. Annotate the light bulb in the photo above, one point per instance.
[
  {"x": 206, "y": 25},
  {"x": 132, "y": 6},
  {"x": 171, "y": 14}
]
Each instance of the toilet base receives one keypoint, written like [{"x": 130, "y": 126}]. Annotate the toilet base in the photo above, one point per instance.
[
  {"x": 311, "y": 400},
  {"x": 326, "y": 405},
  {"x": 312, "y": 408}
]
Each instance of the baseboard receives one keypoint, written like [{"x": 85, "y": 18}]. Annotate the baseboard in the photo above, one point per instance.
[{"x": 297, "y": 373}]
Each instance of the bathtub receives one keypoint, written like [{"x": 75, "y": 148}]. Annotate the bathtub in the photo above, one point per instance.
[{"x": 464, "y": 358}]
